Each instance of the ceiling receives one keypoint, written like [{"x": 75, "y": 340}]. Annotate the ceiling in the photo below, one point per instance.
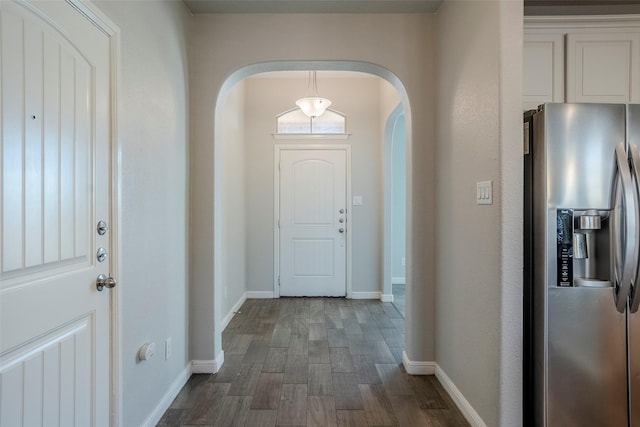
[
  {"x": 581, "y": 7},
  {"x": 313, "y": 6},
  {"x": 531, "y": 7}
]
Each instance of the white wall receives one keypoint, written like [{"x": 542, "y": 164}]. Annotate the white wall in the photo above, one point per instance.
[
  {"x": 231, "y": 117},
  {"x": 512, "y": 184},
  {"x": 224, "y": 45},
  {"x": 468, "y": 293},
  {"x": 390, "y": 108},
  {"x": 358, "y": 98},
  {"x": 153, "y": 135},
  {"x": 398, "y": 199},
  {"x": 472, "y": 99}
]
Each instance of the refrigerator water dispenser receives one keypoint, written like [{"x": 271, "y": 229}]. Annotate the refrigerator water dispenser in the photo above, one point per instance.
[
  {"x": 591, "y": 249},
  {"x": 582, "y": 248}
]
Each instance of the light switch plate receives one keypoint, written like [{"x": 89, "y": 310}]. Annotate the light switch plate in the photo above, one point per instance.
[
  {"x": 357, "y": 200},
  {"x": 484, "y": 193}
]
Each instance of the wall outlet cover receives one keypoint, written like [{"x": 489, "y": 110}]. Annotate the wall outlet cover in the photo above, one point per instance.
[{"x": 147, "y": 351}]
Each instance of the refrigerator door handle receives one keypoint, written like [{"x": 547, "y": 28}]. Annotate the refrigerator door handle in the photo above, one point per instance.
[
  {"x": 625, "y": 239},
  {"x": 634, "y": 299}
]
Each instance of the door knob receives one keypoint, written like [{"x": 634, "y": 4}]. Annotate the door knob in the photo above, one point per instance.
[
  {"x": 341, "y": 211},
  {"x": 105, "y": 282},
  {"x": 341, "y": 230}
]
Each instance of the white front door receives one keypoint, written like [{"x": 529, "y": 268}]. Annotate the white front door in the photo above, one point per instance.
[
  {"x": 55, "y": 183},
  {"x": 313, "y": 222}
]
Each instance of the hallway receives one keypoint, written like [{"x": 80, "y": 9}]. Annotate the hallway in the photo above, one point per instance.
[{"x": 313, "y": 362}]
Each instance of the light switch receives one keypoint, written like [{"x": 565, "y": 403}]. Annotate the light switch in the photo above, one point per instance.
[
  {"x": 484, "y": 193},
  {"x": 357, "y": 200}
]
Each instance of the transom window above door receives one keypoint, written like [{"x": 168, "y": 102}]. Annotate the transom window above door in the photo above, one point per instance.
[{"x": 295, "y": 122}]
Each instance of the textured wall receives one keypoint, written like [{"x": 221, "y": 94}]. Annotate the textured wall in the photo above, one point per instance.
[
  {"x": 479, "y": 122},
  {"x": 231, "y": 117},
  {"x": 225, "y": 45},
  {"x": 511, "y": 219},
  {"x": 153, "y": 137},
  {"x": 398, "y": 198},
  {"x": 468, "y": 292}
]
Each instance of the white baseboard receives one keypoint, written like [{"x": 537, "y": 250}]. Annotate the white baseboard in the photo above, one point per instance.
[
  {"x": 365, "y": 295},
  {"x": 399, "y": 280},
  {"x": 259, "y": 294},
  {"x": 465, "y": 407},
  {"x": 236, "y": 307},
  {"x": 418, "y": 368},
  {"x": 203, "y": 367},
  {"x": 372, "y": 295},
  {"x": 386, "y": 297},
  {"x": 219, "y": 361},
  {"x": 430, "y": 368},
  {"x": 168, "y": 397},
  {"x": 207, "y": 366}
]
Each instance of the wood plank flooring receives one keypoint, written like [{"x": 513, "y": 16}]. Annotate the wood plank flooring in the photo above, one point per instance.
[{"x": 313, "y": 362}]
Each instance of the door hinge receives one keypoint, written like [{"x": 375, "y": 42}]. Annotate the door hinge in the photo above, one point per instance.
[
  {"x": 278, "y": 281},
  {"x": 278, "y": 222}
]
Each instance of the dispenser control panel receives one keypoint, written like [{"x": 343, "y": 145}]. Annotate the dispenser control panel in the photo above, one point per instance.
[{"x": 564, "y": 234}]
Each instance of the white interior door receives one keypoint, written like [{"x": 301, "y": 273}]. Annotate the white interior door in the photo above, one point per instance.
[
  {"x": 55, "y": 182},
  {"x": 313, "y": 222}
]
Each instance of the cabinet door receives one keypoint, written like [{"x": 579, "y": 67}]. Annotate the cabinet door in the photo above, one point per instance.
[
  {"x": 543, "y": 69},
  {"x": 603, "y": 67}
]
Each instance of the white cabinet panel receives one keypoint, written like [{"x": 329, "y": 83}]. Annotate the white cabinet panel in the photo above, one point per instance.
[
  {"x": 543, "y": 69},
  {"x": 603, "y": 67}
]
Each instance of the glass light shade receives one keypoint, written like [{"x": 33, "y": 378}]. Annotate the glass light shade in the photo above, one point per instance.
[{"x": 313, "y": 106}]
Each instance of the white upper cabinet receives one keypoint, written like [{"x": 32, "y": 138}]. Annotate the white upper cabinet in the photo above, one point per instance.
[
  {"x": 603, "y": 67},
  {"x": 543, "y": 69},
  {"x": 581, "y": 59}
]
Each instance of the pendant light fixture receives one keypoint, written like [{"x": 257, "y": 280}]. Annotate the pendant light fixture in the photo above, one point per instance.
[{"x": 313, "y": 105}]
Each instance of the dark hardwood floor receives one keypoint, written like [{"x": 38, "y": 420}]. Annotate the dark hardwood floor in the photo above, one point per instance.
[{"x": 313, "y": 362}]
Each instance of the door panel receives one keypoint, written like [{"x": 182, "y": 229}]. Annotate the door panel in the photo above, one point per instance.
[
  {"x": 46, "y": 206},
  {"x": 53, "y": 376},
  {"x": 313, "y": 250},
  {"x": 55, "y": 182},
  {"x": 634, "y": 369},
  {"x": 586, "y": 359},
  {"x": 603, "y": 67},
  {"x": 633, "y": 138},
  {"x": 313, "y": 257},
  {"x": 543, "y": 69}
]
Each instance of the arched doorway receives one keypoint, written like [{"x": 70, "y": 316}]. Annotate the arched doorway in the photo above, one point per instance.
[{"x": 207, "y": 346}]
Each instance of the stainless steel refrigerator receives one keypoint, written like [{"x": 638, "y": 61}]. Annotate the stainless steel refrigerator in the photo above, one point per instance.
[{"x": 582, "y": 252}]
